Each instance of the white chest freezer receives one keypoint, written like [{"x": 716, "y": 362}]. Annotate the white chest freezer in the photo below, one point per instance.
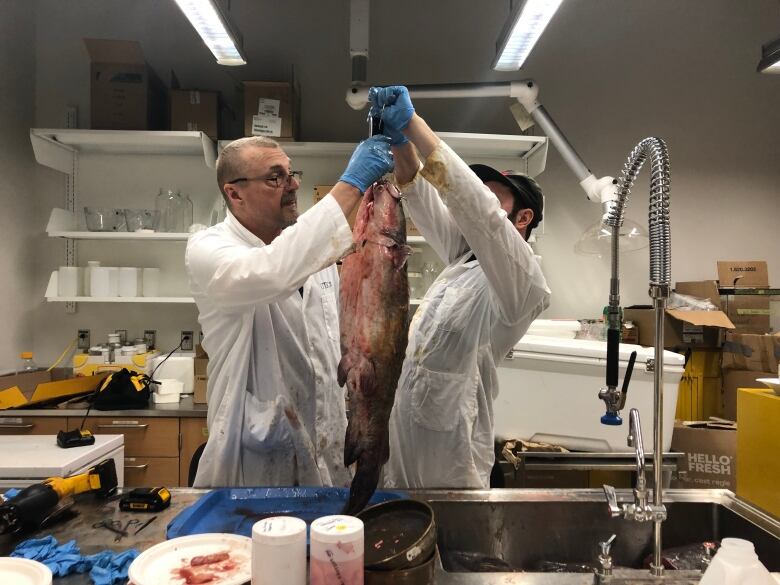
[
  {"x": 28, "y": 459},
  {"x": 548, "y": 392}
]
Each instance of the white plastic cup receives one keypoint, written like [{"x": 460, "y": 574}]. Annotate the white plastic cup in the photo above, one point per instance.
[
  {"x": 279, "y": 551},
  {"x": 68, "y": 281},
  {"x": 88, "y": 277},
  {"x": 128, "y": 282},
  {"x": 336, "y": 556},
  {"x": 151, "y": 282}
]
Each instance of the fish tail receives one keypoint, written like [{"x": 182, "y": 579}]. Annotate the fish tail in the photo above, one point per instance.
[{"x": 363, "y": 484}]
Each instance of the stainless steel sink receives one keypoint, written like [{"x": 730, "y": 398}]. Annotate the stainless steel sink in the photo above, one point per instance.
[{"x": 514, "y": 536}]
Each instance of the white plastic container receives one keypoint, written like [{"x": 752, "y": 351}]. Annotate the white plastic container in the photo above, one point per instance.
[
  {"x": 68, "y": 281},
  {"x": 279, "y": 551},
  {"x": 179, "y": 367},
  {"x": 336, "y": 556},
  {"x": 150, "y": 282},
  {"x": 129, "y": 282},
  {"x": 736, "y": 562},
  {"x": 549, "y": 393}
]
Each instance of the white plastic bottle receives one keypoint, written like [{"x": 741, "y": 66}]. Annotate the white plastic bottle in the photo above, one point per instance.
[{"x": 736, "y": 563}]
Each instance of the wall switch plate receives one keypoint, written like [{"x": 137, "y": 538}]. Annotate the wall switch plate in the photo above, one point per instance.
[
  {"x": 186, "y": 341},
  {"x": 83, "y": 339},
  {"x": 150, "y": 337}
]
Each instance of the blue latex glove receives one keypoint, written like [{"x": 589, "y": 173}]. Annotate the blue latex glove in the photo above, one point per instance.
[
  {"x": 110, "y": 568},
  {"x": 61, "y": 559},
  {"x": 106, "y": 567},
  {"x": 371, "y": 160},
  {"x": 394, "y": 105}
]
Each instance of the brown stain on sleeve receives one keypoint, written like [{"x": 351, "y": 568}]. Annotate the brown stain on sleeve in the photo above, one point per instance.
[{"x": 435, "y": 171}]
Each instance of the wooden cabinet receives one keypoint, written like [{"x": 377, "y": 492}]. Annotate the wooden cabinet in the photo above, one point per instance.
[
  {"x": 32, "y": 425},
  {"x": 151, "y": 448},
  {"x": 194, "y": 433}
]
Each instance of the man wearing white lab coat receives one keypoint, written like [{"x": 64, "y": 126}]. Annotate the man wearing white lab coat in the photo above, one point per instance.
[
  {"x": 441, "y": 428},
  {"x": 266, "y": 288}
]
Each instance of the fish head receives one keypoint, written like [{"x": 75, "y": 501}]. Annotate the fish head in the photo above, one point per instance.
[{"x": 385, "y": 212}]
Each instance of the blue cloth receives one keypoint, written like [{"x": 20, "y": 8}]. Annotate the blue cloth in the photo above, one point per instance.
[
  {"x": 372, "y": 159},
  {"x": 10, "y": 493},
  {"x": 105, "y": 568}
]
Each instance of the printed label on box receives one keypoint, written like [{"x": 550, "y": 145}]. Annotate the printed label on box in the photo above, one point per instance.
[
  {"x": 194, "y": 98},
  {"x": 266, "y": 126},
  {"x": 268, "y": 107}
]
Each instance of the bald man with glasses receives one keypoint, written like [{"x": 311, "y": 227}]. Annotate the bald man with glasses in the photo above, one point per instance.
[{"x": 266, "y": 287}]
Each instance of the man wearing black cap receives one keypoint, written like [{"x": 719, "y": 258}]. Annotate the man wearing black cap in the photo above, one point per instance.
[{"x": 477, "y": 220}]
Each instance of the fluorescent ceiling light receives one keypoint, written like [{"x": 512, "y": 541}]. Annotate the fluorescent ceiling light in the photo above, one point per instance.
[
  {"x": 770, "y": 57},
  {"x": 222, "y": 39},
  {"x": 523, "y": 28}
]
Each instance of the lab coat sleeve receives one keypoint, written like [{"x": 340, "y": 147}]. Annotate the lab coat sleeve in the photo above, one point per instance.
[
  {"x": 515, "y": 277},
  {"x": 233, "y": 275},
  {"x": 432, "y": 218}
]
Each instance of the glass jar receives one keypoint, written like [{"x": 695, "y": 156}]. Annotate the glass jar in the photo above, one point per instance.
[{"x": 170, "y": 205}]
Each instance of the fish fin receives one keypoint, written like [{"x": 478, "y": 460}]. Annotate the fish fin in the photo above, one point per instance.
[
  {"x": 363, "y": 484},
  {"x": 352, "y": 448},
  {"x": 342, "y": 371}
]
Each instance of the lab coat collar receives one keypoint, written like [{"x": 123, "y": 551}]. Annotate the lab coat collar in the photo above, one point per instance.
[{"x": 241, "y": 231}]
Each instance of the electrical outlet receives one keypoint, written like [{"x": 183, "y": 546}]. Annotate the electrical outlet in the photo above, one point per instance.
[
  {"x": 186, "y": 340},
  {"x": 83, "y": 339},
  {"x": 150, "y": 336}
]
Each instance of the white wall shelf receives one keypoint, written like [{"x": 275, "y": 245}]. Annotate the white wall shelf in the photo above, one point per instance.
[
  {"x": 64, "y": 224},
  {"x": 54, "y": 147},
  {"x": 52, "y": 296},
  {"x": 530, "y": 152}
]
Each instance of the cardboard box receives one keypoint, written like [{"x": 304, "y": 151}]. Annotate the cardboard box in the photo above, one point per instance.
[
  {"x": 195, "y": 110},
  {"x": 270, "y": 109},
  {"x": 125, "y": 93},
  {"x": 745, "y": 351},
  {"x": 758, "y": 435},
  {"x": 743, "y": 273},
  {"x": 201, "y": 361},
  {"x": 199, "y": 395},
  {"x": 684, "y": 329},
  {"x": 749, "y": 313},
  {"x": 710, "y": 455},
  {"x": 41, "y": 387},
  {"x": 733, "y": 380}
]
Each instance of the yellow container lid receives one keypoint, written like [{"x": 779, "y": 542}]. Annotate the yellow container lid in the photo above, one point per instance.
[{"x": 26, "y": 355}]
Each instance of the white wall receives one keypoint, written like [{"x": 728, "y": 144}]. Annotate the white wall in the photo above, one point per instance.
[
  {"x": 611, "y": 72},
  {"x": 17, "y": 171}
]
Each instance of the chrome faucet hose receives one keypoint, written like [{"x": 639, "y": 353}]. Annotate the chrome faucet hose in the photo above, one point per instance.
[{"x": 660, "y": 185}]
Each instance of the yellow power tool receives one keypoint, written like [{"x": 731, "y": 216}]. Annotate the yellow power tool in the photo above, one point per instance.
[{"x": 31, "y": 506}]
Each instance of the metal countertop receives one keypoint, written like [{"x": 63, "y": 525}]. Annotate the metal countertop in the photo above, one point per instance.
[{"x": 182, "y": 409}]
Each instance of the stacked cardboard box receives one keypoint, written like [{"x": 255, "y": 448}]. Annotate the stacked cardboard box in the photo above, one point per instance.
[
  {"x": 125, "y": 93},
  {"x": 710, "y": 452},
  {"x": 749, "y": 313},
  {"x": 747, "y": 357},
  {"x": 271, "y": 109},
  {"x": 195, "y": 110}
]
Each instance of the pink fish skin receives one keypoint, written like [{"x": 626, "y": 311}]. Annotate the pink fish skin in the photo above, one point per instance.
[{"x": 374, "y": 309}]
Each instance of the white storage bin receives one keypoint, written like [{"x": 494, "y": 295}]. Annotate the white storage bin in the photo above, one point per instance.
[{"x": 549, "y": 390}]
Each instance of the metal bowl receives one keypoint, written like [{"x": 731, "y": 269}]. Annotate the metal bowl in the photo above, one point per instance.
[
  {"x": 419, "y": 575},
  {"x": 399, "y": 534}
]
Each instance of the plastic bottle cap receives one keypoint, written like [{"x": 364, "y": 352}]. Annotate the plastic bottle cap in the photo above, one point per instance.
[
  {"x": 279, "y": 530},
  {"x": 337, "y": 528},
  {"x": 26, "y": 355},
  {"x": 737, "y": 543}
]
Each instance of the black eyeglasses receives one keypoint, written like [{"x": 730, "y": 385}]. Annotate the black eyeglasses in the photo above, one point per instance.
[{"x": 274, "y": 179}]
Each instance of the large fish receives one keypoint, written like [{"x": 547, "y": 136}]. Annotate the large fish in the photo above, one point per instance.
[{"x": 374, "y": 302}]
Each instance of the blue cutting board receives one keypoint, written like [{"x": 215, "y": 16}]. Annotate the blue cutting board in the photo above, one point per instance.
[{"x": 235, "y": 510}]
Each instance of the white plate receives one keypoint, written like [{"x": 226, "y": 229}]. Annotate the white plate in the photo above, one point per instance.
[
  {"x": 24, "y": 572},
  {"x": 773, "y": 383},
  {"x": 160, "y": 564}
]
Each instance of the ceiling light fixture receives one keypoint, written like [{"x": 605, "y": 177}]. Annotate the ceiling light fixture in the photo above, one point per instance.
[
  {"x": 214, "y": 27},
  {"x": 525, "y": 25},
  {"x": 770, "y": 57}
]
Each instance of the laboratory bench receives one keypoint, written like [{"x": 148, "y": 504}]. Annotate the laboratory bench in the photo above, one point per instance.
[
  {"x": 553, "y": 523},
  {"x": 159, "y": 440}
]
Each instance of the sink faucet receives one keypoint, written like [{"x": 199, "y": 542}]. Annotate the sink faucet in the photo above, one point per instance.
[
  {"x": 604, "y": 570},
  {"x": 660, "y": 285},
  {"x": 639, "y": 510}
]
